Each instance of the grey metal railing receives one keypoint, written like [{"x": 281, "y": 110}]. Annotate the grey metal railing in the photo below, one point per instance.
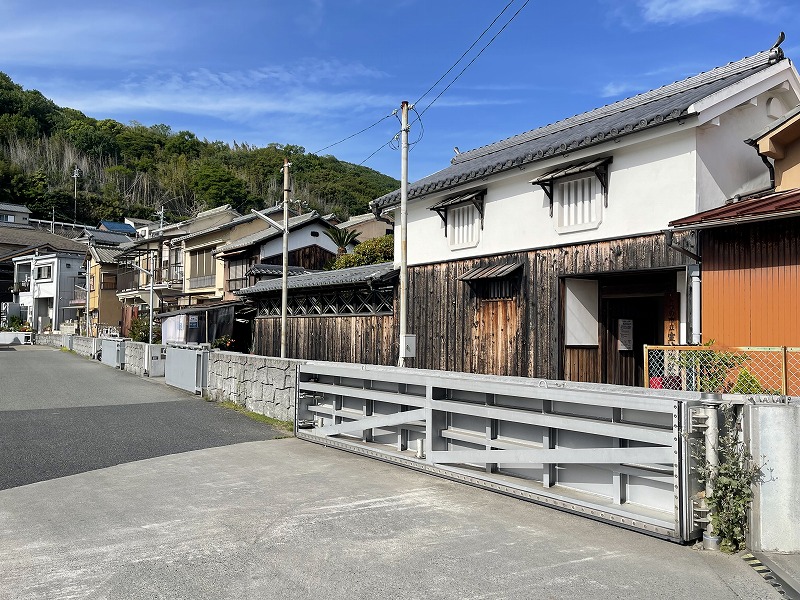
[{"x": 608, "y": 452}]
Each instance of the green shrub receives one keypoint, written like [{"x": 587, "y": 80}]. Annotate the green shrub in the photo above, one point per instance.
[{"x": 370, "y": 252}]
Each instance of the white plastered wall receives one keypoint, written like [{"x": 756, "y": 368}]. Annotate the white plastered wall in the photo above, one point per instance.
[
  {"x": 726, "y": 166},
  {"x": 651, "y": 182}
]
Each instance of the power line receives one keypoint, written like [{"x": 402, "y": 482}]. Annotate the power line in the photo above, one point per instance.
[
  {"x": 460, "y": 58},
  {"x": 381, "y": 147},
  {"x": 419, "y": 115},
  {"x": 355, "y": 134}
]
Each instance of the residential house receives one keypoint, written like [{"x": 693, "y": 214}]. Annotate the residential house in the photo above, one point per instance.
[
  {"x": 18, "y": 240},
  {"x": 544, "y": 254},
  {"x": 155, "y": 253},
  {"x": 45, "y": 287},
  {"x": 14, "y": 213},
  {"x": 749, "y": 251},
  {"x": 249, "y": 257},
  {"x": 367, "y": 226},
  {"x": 547, "y": 246},
  {"x": 252, "y": 241},
  {"x": 103, "y": 306}
]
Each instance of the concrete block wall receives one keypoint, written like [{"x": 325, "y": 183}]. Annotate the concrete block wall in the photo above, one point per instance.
[
  {"x": 49, "y": 339},
  {"x": 135, "y": 357},
  {"x": 771, "y": 433},
  {"x": 263, "y": 384},
  {"x": 85, "y": 346}
]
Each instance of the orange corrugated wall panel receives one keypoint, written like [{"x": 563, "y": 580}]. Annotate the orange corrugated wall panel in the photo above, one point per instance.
[{"x": 750, "y": 287}]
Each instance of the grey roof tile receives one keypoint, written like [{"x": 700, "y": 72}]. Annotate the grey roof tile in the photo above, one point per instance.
[
  {"x": 321, "y": 279},
  {"x": 644, "y": 111},
  {"x": 260, "y": 270},
  {"x": 267, "y": 234},
  {"x": 21, "y": 208},
  {"x": 105, "y": 254}
]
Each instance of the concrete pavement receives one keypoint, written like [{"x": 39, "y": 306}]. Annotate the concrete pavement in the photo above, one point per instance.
[
  {"x": 61, "y": 415},
  {"x": 283, "y": 518},
  {"x": 290, "y": 519}
]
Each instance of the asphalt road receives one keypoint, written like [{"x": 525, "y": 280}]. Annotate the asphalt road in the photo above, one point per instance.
[
  {"x": 62, "y": 415},
  {"x": 282, "y": 518}
]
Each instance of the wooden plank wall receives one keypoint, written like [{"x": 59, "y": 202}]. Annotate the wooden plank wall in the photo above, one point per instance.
[
  {"x": 357, "y": 339},
  {"x": 457, "y": 331},
  {"x": 311, "y": 257},
  {"x": 751, "y": 284}
]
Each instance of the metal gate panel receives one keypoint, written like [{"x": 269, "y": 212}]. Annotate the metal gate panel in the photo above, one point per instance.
[
  {"x": 187, "y": 368},
  {"x": 612, "y": 453}
]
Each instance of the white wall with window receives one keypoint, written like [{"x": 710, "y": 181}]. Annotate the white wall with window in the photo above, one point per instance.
[
  {"x": 650, "y": 182},
  {"x": 463, "y": 226},
  {"x": 578, "y": 203}
]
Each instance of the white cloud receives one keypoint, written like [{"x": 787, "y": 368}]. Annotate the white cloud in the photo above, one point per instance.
[
  {"x": 674, "y": 11},
  {"x": 621, "y": 88}
]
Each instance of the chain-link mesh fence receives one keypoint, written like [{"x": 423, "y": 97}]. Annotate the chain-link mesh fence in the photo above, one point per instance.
[{"x": 724, "y": 370}]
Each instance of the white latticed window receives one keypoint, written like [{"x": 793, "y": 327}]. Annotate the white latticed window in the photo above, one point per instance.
[
  {"x": 463, "y": 226},
  {"x": 578, "y": 203}
]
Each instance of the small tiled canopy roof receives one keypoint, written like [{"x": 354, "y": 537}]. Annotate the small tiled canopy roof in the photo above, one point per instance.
[
  {"x": 354, "y": 276},
  {"x": 771, "y": 206}
]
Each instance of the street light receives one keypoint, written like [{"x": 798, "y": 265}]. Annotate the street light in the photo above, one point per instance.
[
  {"x": 75, "y": 175},
  {"x": 285, "y": 274},
  {"x": 285, "y": 229},
  {"x": 150, "y": 274}
]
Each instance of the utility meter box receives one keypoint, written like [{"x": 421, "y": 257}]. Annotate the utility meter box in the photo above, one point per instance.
[{"x": 408, "y": 346}]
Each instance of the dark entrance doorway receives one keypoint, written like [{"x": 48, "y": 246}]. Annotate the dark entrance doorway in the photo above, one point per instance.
[{"x": 633, "y": 312}]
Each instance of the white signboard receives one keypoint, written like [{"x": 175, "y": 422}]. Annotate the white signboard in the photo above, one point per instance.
[
  {"x": 193, "y": 322},
  {"x": 624, "y": 334}
]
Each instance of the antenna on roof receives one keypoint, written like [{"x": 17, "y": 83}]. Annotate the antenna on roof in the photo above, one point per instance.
[{"x": 776, "y": 53}]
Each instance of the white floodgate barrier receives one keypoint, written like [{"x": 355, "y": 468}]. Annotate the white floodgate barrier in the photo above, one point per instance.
[
  {"x": 611, "y": 453},
  {"x": 187, "y": 367},
  {"x": 112, "y": 352}
]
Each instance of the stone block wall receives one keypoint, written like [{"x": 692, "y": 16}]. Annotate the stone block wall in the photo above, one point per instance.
[
  {"x": 85, "y": 346},
  {"x": 49, "y": 339},
  {"x": 263, "y": 384},
  {"x": 135, "y": 357}
]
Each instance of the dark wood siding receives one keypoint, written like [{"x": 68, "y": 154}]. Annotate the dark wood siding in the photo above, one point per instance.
[
  {"x": 314, "y": 258},
  {"x": 459, "y": 330},
  {"x": 357, "y": 339},
  {"x": 456, "y": 331},
  {"x": 751, "y": 284}
]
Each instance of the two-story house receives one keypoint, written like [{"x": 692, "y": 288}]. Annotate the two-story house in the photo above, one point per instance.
[
  {"x": 543, "y": 254},
  {"x": 156, "y": 254},
  {"x": 19, "y": 245},
  {"x": 14, "y": 213},
  {"x": 45, "y": 284},
  {"x": 104, "y": 308}
]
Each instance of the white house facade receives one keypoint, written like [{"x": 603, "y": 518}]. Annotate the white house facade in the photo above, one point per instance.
[
  {"x": 46, "y": 288},
  {"x": 547, "y": 247}
]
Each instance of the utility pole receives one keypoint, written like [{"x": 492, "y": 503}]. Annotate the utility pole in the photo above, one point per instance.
[
  {"x": 75, "y": 174},
  {"x": 403, "y": 292},
  {"x": 285, "y": 275}
]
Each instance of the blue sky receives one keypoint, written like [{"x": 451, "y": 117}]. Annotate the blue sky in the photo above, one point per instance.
[{"x": 311, "y": 72}]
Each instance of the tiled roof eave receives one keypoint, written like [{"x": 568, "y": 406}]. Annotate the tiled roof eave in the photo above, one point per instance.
[{"x": 393, "y": 199}]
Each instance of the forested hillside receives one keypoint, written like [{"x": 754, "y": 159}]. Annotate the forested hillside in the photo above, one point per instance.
[{"x": 134, "y": 169}]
